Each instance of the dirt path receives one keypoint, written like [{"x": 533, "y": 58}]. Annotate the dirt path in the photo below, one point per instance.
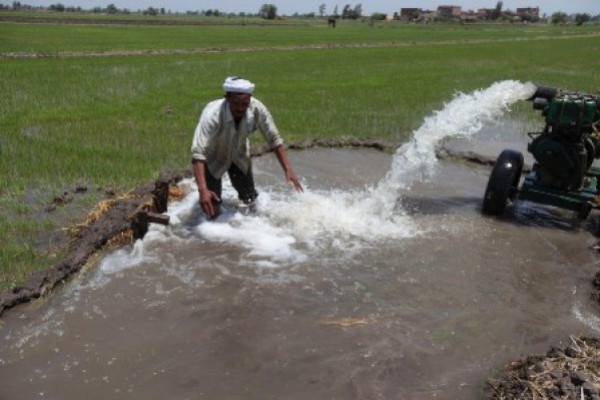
[{"x": 215, "y": 50}]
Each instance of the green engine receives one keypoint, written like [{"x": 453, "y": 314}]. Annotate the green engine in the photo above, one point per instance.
[{"x": 569, "y": 143}]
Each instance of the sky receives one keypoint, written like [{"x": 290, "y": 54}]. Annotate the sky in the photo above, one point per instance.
[{"x": 289, "y": 7}]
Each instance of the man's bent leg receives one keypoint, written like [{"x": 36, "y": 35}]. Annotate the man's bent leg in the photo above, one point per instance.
[{"x": 243, "y": 183}]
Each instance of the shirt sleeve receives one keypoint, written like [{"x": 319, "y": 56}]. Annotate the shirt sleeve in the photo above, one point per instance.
[
  {"x": 207, "y": 125},
  {"x": 267, "y": 126}
]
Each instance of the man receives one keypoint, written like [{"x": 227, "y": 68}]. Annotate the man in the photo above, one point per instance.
[{"x": 221, "y": 145}]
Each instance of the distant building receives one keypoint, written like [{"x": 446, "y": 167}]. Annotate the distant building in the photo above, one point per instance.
[
  {"x": 530, "y": 11},
  {"x": 409, "y": 14},
  {"x": 483, "y": 13},
  {"x": 469, "y": 16},
  {"x": 449, "y": 12},
  {"x": 428, "y": 15}
]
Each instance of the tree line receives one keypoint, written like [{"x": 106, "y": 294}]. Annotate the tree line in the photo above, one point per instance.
[{"x": 269, "y": 11}]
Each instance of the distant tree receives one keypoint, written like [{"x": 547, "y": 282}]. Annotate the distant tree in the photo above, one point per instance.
[
  {"x": 335, "y": 11},
  {"x": 357, "y": 11},
  {"x": 16, "y": 5},
  {"x": 581, "y": 19},
  {"x": 496, "y": 12},
  {"x": 322, "y": 10},
  {"x": 346, "y": 11},
  {"x": 352, "y": 13},
  {"x": 151, "y": 11},
  {"x": 58, "y": 7},
  {"x": 378, "y": 16},
  {"x": 529, "y": 18},
  {"x": 268, "y": 11},
  {"x": 111, "y": 9},
  {"x": 559, "y": 18}
]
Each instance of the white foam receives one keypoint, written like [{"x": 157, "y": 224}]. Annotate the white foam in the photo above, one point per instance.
[
  {"x": 587, "y": 318},
  {"x": 262, "y": 238}
]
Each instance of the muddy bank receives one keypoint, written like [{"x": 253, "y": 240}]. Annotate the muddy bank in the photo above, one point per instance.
[{"x": 113, "y": 222}]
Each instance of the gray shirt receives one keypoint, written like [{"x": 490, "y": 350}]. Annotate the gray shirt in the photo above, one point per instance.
[{"x": 218, "y": 141}]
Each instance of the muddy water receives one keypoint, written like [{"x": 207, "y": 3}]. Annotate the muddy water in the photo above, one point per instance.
[{"x": 382, "y": 280}]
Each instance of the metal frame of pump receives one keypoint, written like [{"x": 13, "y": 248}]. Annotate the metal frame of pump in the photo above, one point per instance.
[{"x": 582, "y": 201}]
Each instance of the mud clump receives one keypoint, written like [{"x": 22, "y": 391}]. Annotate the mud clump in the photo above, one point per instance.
[{"x": 570, "y": 373}]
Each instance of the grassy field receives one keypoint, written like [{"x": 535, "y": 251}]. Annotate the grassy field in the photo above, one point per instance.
[
  {"x": 112, "y": 121},
  {"x": 230, "y": 34}
]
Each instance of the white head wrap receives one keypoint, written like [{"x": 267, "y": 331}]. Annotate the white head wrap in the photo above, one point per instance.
[{"x": 235, "y": 84}]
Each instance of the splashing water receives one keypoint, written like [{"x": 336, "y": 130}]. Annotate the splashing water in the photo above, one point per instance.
[
  {"x": 464, "y": 116},
  {"x": 289, "y": 227},
  {"x": 372, "y": 214}
]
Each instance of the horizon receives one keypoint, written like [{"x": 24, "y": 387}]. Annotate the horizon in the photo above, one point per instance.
[{"x": 286, "y": 7}]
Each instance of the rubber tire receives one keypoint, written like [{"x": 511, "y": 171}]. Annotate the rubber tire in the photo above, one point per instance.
[
  {"x": 584, "y": 211},
  {"x": 503, "y": 182}
]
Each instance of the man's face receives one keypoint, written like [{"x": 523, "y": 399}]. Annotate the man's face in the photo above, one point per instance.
[{"x": 238, "y": 104}]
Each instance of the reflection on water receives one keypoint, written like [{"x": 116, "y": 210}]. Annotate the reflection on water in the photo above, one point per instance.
[{"x": 338, "y": 292}]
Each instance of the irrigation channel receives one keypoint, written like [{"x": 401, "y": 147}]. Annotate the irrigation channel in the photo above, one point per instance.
[{"x": 381, "y": 280}]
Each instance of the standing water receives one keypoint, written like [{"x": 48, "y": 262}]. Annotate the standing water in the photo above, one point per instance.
[{"x": 376, "y": 282}]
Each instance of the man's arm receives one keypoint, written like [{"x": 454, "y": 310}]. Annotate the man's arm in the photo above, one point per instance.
[
  {"x": 209, "y": 201},
  {"x": 290, "y": 176}
]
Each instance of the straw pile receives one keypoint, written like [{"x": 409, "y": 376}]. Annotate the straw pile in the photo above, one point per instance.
[{"x": 572, "y": 373}]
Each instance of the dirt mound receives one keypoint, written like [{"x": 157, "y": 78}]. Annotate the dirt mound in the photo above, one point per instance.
[{"x": 570, "y": 373}]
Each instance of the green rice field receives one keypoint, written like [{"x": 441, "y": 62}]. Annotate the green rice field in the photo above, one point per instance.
[{"x": 110, "y": 106}]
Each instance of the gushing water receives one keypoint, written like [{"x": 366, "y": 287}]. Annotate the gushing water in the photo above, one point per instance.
[{"x": 464, "y": 116}]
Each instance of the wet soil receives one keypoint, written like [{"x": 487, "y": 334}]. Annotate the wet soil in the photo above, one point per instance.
[{"x": 569, "y": 372}]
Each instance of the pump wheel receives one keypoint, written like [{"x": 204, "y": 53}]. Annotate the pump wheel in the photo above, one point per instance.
[
  {"x": 584, "y": 211},
  {"x": 503, "y": 182}
]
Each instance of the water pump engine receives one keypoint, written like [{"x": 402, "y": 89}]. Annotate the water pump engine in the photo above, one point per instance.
[{"x": 569, "y": 142}]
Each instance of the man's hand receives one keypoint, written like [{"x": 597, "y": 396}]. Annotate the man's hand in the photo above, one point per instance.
[
  {"x": 290, "y": 176},
  {"x": 210, "y": 203}
]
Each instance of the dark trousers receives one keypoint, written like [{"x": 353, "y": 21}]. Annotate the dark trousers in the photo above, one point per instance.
[{"x": 242, "y": 183}]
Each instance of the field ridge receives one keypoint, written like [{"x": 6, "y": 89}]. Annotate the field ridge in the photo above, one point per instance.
[{"x": 258, "y": 49}]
